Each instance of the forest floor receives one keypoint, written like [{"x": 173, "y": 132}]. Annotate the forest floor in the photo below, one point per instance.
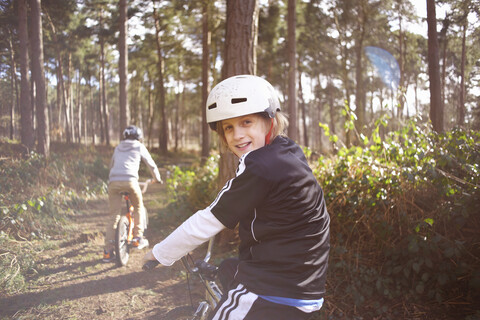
[{"x": 73, "y": 283}]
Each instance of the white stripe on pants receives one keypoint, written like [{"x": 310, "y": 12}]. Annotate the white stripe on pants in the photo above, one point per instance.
[{"x": 237, "y": 305}]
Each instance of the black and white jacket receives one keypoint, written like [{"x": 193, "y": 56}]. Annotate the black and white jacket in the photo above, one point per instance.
[{"x": 283, "y": 224}]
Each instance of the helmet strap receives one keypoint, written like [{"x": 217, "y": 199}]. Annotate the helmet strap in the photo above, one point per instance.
[{"x": 269, "y": 134}]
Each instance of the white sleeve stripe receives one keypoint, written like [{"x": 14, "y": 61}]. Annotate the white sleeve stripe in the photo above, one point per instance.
[
  {"x": 193, "y": 232},
  {"x": 228, "y": 185},
  {"x": 224, "y": 189}
]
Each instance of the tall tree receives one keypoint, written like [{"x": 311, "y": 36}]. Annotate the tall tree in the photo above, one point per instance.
[
  {"x": 104, "y": 110},
  {"x": 270, "y": 23},
  {"x": 38, "y": 74},
  {"x": 436, "y": 103},
  {"x": 206, "y": 37},
  {"x": 161, "y": 87},
  {"x": 240, "y": 58},
  {"x": 292, "y": 69},
  {"x": 464, "y": 25},
  {"x": 63, "y": 100},
  {"x": 461, "y": 100},
  {"x": 405, "y": 13},
  {"x": 360, "y": 35},
  {"x": 26, "y": 112},
  {"x": 342, "y": 16},
  {"x": 123, "y": 66},
  {"x": 13, "y": 83}
]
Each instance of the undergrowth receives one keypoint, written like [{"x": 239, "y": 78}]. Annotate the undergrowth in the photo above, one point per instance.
[
  {"x": 404, "y": 224},
  {"x": 37, "y": 197}
]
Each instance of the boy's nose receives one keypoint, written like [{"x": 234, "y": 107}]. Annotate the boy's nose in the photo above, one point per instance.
[{"x": 238, "y": 132}]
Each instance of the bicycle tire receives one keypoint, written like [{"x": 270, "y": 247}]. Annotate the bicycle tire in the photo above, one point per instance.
[
  {"x": 180, "y": 313},
  {"x": 121, "y": 241}
]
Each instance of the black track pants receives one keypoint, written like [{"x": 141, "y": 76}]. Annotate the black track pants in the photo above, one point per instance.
[{"x": 240, "y": 304}]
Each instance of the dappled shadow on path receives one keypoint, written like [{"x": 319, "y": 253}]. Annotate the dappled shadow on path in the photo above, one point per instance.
[{"x": 147, "y": 280}]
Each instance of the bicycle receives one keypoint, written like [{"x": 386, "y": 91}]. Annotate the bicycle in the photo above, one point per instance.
[
  {"x": 206, "y": 274},
  {"x": 124, "y": 230}
]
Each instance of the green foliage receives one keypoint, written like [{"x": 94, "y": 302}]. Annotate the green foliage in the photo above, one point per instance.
[
  {"x": 196, "y": 185},
  {"x": 404, "y": 217},
  {"x": 36, "y": 194}
]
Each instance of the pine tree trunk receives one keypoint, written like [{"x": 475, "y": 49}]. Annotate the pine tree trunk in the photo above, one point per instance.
[
  {"x": 292, "y": 70},
  {"x": 123, "y": 67},
  {"x": 38, "y": 74},
  {"x": 26, "y": 112},
  {"x": 240, "y": 58},
  {"x": 436, "y": 103},
  {"x": 205, "y": 84},
  {"x": 461, "y": 100},
  {"x": 163, "y": 138}
]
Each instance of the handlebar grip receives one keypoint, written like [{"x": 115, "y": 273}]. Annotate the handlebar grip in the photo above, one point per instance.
[{"x": 150, "y": 265}]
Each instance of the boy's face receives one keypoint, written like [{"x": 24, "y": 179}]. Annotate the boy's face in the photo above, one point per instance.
[{"x": 245, "y": 133}]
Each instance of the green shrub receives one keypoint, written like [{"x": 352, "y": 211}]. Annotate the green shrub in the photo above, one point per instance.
[
  {"x": 404, "y": 219},
  {"x": 195, "y": 185}
]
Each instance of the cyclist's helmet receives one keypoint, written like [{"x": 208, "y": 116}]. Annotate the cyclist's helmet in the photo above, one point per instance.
[
  {"x": 133, "y": 133},
  {"x": 241, "y": 95}
]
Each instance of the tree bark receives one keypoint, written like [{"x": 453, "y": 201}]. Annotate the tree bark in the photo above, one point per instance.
[
  {"x": 163, "y": 139},
  {"x": 360, "y": 96},
  {"x": 104, "y": 114},
  {"x": 38, "y": 74},
  {"x": 401, "y": 54},
  {"x": 26, "y": 112},
  {"x": 123, "y": 67},
  {"x": 292, "y": 70},
  {"x": 436, "y": 103},
  {"x": 13, "y": 84},
  {"x": 461, "y": 100},
  {"x": 205, "y": 84},
  {"x": 240, "y": 58},
  {"x": 304, "y": 111}
]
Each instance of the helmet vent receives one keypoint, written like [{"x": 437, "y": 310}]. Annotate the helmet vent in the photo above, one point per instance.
[
  {"x": 212, "y": 106},
  {"x": 238, "y": 100}
]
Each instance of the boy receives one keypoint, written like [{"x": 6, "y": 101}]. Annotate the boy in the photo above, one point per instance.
[
  {"x": 123, "y": 177},
  {"x": 275, "y": 200}
]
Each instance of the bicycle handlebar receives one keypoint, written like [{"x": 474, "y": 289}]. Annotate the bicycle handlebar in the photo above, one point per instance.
[
  {"x": 150, "y": 265},
  {"x": 144, "y": 185}
]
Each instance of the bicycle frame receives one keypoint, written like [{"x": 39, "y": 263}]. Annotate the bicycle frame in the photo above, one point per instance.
[
  {"x": 125, "y": 226},
  {"x": 130, "y": 208},
  {"x": 206, "y": 273},
  {"x": 129, "y": 215}
]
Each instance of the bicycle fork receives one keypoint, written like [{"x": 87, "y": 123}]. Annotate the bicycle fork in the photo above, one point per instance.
[
  {"x": 202, "y": 311},
  {"x": 212, "y": 296}
]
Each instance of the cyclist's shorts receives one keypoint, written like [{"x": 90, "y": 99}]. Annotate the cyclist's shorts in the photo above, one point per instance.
[{"x": 241, "y": 304}]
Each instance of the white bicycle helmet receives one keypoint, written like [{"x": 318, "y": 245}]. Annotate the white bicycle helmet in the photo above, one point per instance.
[
  {"x": 241, "y": 95},
  {"x": 133, "y": 133}
]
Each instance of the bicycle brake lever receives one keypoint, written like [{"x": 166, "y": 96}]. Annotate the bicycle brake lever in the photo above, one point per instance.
[{"x": 150, "y": 265}]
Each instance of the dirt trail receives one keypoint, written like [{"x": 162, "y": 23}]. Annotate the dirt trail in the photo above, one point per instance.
[{"x": 73, "y": 283}]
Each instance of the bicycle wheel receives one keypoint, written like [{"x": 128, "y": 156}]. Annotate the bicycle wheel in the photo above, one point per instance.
[
  {"x": 121, "y": 241},
  {"x": 180, "y": 313}
]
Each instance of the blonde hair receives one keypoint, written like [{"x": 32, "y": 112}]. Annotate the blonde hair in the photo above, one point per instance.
[{"x": 280, "y": 125}]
